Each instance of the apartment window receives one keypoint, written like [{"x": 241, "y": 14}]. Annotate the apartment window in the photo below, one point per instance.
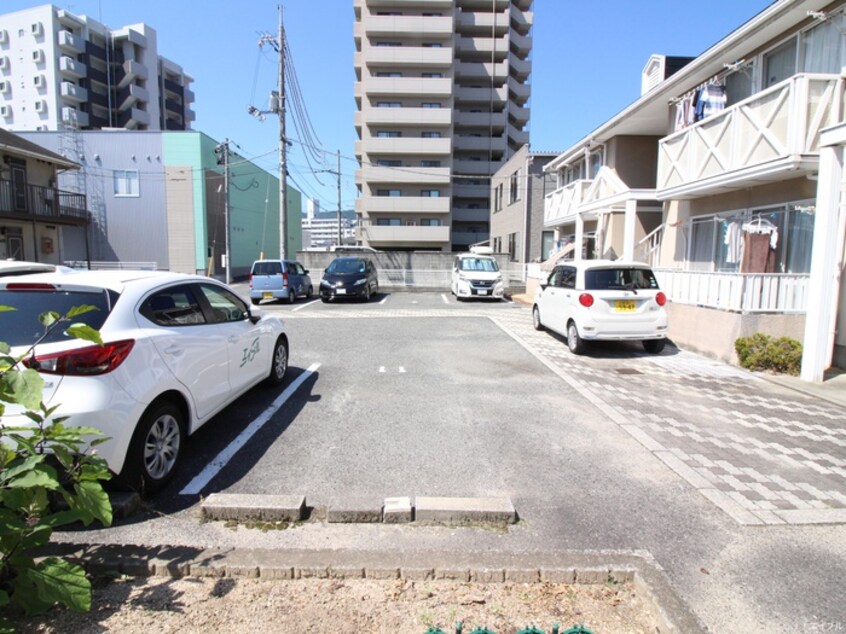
[
  {"x": 431, "y": 104},
  {"x": 432, "y": 15},
  {"x": 389, "y": 13},
  {"x": 428, "y": 163},
  {"x": 389, "y": 163},
  {"x": 388, "y": 74},
  {"x": 430, "y": 193},
  {"x": 780, "y": 63},
  {"x": 432, "y": 75},
  {"x": 432, "y": 45},
  {"x": 126, "y": 182},
  {"x": 514, "y": 188},
  {"x": 595, "y": 163},
  {"x": 547, "y": 244},
  {"x": 512, "y": 246},
  {"x": 430, "y": 222},
  {"x": 388, "y": 134},
  {"x": 388, "y": 104},
  {"x": 428, "y": 134},
  {"x": 388, "y": 222},
  {"x": 822, "y": 46},
  {"x": 388, "y": 192},
  {"x": 498, "y": 198},
  {"x": 388, "y": 44}
]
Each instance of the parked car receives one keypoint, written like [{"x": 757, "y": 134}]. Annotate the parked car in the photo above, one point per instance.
[
  {"x": 177, "y": 349},
  {"x": 279, "y": 279},
  {"x": 595, "y": 300},
  {"x": 21, "y": 267},
  {"x": 476, "y": 274},
  {"x": 349, "y": 277}
]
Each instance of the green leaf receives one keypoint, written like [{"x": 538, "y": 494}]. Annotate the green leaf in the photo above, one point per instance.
[
  {"x": 5, "y": 348},
  {"x": 6, "y": 309},
  {"x": 26, "y": 593},
  {"x": 49, "y": 318},
  {"x": 15, "y": 470},
  {"x": 84, "y": 331},
  {"x": 34, "y": 479},
  {"x": 92, "y": 500},
  {"x": 76, "y": 311},
  {"x": 60, "y": 581},
  {"x": 25, "y": 388}
]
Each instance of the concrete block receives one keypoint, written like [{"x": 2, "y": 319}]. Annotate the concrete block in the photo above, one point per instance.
[
  {"x": 373, "y": 572},
  {"x": 487, "y": 575},
  {"x": 124, "y": 504},
  {"x": 277, "y": 572},
  {"x": 313, "y": 572},
  {"x": 240, "y": 507},
  {"x": 558, "y": 575},
  {"x": 418, "y": 574},
  {"x": 244, "y": 571},
  {"x": 591, "y": 575},
  {"x": 526, "y": 575},
  {"x": 453, "y": 574},
  {"x": 346, "y": 572},
  {"x": 398, "y": 510},
  {"x": 354, "y": 511},
  {"x": 198, "y": 569},
  {"x": 464, "y": 510}
]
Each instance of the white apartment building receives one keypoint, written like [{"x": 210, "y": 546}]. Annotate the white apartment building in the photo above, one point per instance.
[
  {"x": 441, "y": 93},
  {"x": 61, "y": 70},
  {"x": 322, "y": 232}
]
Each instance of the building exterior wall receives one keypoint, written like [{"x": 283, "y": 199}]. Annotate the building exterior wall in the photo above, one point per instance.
[
  {"x": 635, "y": 159},
  {"x": 442, "y": 98},
  {"x": 181, "y": 238}
]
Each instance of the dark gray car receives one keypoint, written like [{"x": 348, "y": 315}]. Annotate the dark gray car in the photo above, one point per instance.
[
  {"x": 279, "y": 279},
  {"x": 349, "y": 277}
]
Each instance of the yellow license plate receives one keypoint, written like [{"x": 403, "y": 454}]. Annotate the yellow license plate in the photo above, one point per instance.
[
  {"x": 267, "y": 295},
  {"x": 624, "y": 306}
]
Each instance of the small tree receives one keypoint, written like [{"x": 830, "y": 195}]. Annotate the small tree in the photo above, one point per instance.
[{"x": 41, "y": 465}]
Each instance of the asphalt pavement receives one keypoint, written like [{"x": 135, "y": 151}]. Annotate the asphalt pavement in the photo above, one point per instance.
[{"x": 732, "y": 483}]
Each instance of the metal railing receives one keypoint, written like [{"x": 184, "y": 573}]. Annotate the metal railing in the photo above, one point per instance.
[
  {"x": 42, "y": 203},
  {"x": 741, "y": 292},
  {"x": 112, "y": 266}
]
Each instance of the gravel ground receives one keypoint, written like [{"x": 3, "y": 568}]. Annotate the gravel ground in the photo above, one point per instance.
[{"x": 164, "y": 605}]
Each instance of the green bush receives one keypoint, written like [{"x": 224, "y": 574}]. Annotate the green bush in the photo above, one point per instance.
[
  {"x": 36, "y": 494},
  {"x": 763, "y": 352}
]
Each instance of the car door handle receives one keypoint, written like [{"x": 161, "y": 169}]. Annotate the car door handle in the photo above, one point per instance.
[
  {"x": 174, "y": 350},
  {"x": 232, "y": 339}
]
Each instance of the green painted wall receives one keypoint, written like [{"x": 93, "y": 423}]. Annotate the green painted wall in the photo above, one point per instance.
[{"x": 184, "y": 149}]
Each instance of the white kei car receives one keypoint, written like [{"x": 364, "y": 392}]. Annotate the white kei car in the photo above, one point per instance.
[
  {"x": 177, "y": 349},
  {"x": 602, "y": 300}
]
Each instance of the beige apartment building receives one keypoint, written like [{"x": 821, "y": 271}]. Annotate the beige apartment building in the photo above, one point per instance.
[{"x": 441, "y": 93}]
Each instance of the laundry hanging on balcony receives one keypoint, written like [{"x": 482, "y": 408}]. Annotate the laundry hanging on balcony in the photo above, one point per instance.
[
  {"x": 710, "y": 100},
  {"x": 760, "y": 239}
]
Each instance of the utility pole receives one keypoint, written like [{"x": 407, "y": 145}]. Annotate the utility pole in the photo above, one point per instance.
[
  {"x": 339, "y": 198},
  {"x": 277, "y": 107},
  {"x": 223, "y": 149}
]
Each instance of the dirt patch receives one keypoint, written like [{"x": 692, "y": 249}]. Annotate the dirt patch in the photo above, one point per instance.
[{"x": 163, "y": 605}]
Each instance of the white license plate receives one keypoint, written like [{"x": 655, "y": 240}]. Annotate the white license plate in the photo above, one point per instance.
[
  {"x": 267, "y": 295},
  {"x": 482, "y": 292},
  {"x": 341, "y": 291}
]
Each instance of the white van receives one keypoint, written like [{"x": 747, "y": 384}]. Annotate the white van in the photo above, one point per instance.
[{"x": 476, "y": 274}]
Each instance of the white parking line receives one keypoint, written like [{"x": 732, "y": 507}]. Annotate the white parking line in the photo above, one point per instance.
[
  {"x": 213, "y": 468},
  {"x": 445, "y": 298},
  {"x": 384, "y": 299},
  {"x": 301, "y": 306}
]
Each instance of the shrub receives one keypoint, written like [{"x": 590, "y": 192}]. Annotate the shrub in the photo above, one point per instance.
[
  {"x": 37, "y": 494},
  {"x": 763, "y": 352}
]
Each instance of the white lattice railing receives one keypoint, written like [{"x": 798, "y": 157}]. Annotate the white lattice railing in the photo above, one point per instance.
[
  {"x": 564, "y": 202},
  {"x": 647, "y": 250},
  {"x": 741, "y": 292}
]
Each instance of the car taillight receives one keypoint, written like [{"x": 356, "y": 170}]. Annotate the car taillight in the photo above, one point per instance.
[
  {"x": 284, "y": 279},
  {"x": 660, "y": 298},
  {"x": 586, "y": 300},
  {"x": 251, "y": 280},
  {"x": 22, "y": 286},
  {"x": 88, "y": 361}
]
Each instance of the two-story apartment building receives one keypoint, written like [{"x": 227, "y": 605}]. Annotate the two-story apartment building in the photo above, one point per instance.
[
  {"x": 35, "y": 215},
  {"x": 714, "y": 176}
]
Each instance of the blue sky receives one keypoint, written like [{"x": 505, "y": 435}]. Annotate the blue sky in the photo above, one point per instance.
[{"x": 587, "y": 60}]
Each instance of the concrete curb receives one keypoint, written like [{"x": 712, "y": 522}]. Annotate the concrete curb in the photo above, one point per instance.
[
  {"x": 394, "y": 510},
  {"x": 650, "y": 581}
]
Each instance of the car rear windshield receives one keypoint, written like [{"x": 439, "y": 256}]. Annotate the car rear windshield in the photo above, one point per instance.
[
  {"x": 479, "y": 264},
  {"x": 20, "y": 327},
  {"x": 346, "y": 265},
  {"x": 267, "y": 268},
  {"x": 627, "y": 278}
]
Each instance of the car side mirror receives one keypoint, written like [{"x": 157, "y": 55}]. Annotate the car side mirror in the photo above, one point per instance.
[
  {"x": 254, "y": 314},
  {"x": 305, "y": 271},
  {"x": 543, "y": 285}
]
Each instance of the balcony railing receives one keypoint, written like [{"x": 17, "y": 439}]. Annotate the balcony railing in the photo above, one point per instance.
[
  {"x": 760, "y": 138},
  {"x": 33, "y": 202},
  {"x": 563, "y": 204},
  {"x": 740, "y": 292},
  {"x": 402, "y": 234}
]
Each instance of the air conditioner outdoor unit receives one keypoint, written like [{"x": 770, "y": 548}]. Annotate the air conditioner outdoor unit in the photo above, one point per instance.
[
  {"x": 4, "y": 87},
  {"x": 37, "y": 28},
  {"x": 41, "y": 106},
  {"x": 38, "y": 80},
  {"x": 38, "y": 56},
  {"x": 4, "y": 63},
  {"x": 6, "y": 111},
  {"x": 4, "y": 36}
]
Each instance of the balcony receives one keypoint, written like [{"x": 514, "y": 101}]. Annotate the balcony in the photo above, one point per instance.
[
  {"x": 486, "y": 96},
  {"x": 418, "y": 205},
  {"x": 562, "y": 205},
  {"x": 521, "y": 44},
  {"x": 482, "y": 47},
  {"x": 406, "y": 56},
  {"x": 466, "y": 238},
  {"x": 517, "y": 137},
  {"x": 72, "y": 92},
  {"x": 482, "y": 23},
  {"x": 770, "y": 136},
  {"x": 476, "y": 168},
  {"x": 403, "y": 175},
  {"x": 520, "y": 68},
  {"x": 481, "y": 71},
  {"x": 497, "y": 120},
  {"x": 405, "y": 145},
  {"x": 519, "y": 92},
  {"x": 470, "y": 191},
  {"x": 521, "y": 20},
  {"x": 69, "y": 43},
  {"x": 410, "y": 86},
  {"x": 132, "y": 71},
  {"x": 133, "y": 118},
  {"x": 460, "y": 214},
  {"x": 519, "y": 115},
  {"x": 71, "y": 68},
  {"x": 131, "y": 95},
  {"x": 42, "y": 203},
  {"x": 408, "y": 25},
  {"x": 175, "y": 88},
  {"x": 378, "y": 234},
  {"x": 479, "y": 143},
  {"x": 740, "y": 292},
  {"x": 404, "y": 116}
]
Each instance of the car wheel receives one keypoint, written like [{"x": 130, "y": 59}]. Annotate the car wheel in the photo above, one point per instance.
[
  {"x": 574, "y": 342},
  {"x": 536, "y": 320},
  {"x": 156, "y": 448},
  {"x": 324, "y": 299},
  {"x": 255, "y": 302},
  {"x": 654, "y": 345},
  {"x": 367, "y": 293},
  {"x": 310, "y": 292},
  {"x": 292, "y": 295},
  {"x": 279, "y": 362}
]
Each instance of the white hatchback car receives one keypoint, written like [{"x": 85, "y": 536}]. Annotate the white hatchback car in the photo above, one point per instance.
[
  {"x": 595, "y": 300},
  {"x": 177, "y": 349}
]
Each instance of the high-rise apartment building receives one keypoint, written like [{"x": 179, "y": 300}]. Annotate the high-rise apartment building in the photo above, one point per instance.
[
  {"x": 61, "y": 70},
  {"x": 442, "y": 92}
]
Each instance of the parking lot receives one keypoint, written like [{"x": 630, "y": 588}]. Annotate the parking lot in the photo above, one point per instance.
[{"x": 415, "y": 394}]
